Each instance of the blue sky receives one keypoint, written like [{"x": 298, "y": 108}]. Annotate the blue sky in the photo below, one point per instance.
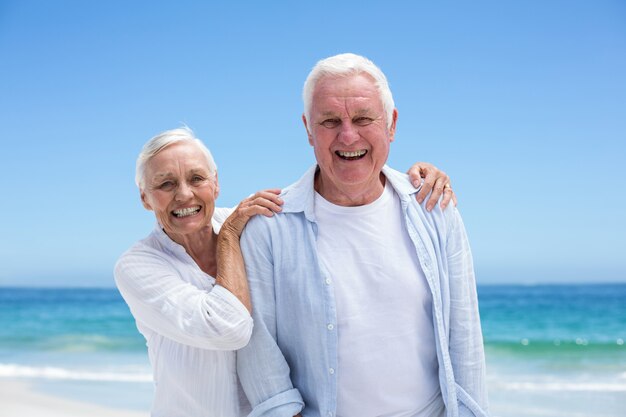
[{"x": 522, "y": 103}]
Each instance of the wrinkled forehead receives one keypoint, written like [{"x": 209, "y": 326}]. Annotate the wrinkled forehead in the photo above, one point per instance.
[
  {"x": 353, "y": 90},
  {"x": 179, "y": 157}
]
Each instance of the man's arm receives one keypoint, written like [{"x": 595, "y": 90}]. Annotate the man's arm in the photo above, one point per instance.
[
  {"x": 261, "y": 366},
  {"x": 466, "y": 341}
]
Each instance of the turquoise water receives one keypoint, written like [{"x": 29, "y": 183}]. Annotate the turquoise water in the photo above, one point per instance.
[
  {"x": 560, "y": 327},
  {"x": 75, "y": 343},
  {"x": 555, "y": 350},
  {"x": 548, "y": 348}
]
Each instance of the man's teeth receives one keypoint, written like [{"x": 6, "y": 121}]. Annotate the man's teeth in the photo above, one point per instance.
[
  {"x": 352, "y": 154},
  {"x": 186, "y": 211}
]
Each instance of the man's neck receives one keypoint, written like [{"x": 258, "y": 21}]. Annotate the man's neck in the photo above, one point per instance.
[{"x": 354, "y": 195}]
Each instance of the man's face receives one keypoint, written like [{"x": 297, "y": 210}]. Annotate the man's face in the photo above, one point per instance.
[{"x": 348, "y": 131}]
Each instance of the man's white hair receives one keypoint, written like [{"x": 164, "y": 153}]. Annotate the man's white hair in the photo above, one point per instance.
[
  {"x": 162, "y": 141},
  {"x": 346, "y": 65}
]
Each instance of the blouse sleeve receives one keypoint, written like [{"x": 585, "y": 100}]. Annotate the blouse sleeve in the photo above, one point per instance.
[
  {"x": 159, "y": 299},
  {"x": 220, "y": 214}
]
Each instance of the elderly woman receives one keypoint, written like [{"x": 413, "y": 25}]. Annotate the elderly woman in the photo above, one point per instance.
[{"x": 185, "y": 283}]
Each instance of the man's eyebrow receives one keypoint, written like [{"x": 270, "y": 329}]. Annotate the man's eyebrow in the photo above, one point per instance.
[
  {"x": 199, "y": 170},
  {"x": 363, "y": 111}
]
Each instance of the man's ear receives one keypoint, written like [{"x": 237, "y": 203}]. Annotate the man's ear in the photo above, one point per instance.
[
  {"x": 392, "y": 128},
  {"x": 144, "y": 201},
  {"x": 307, "y": 130}
]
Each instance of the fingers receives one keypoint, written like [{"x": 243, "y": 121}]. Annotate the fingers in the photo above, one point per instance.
[
  {"x": 424, "y": 174},
  {"x": 434, "y": 180},
  {"x": 417, "y": 172},
  {"x": 448, "y": 195},
  {"x": 434, "y": 184},
  {"x": 440, "y": 182},
  {"x": 265, "y": 202},
  {"x": 268, "y": 199},
  {"x": 421, "y": 170},
  {"x": 427, "y": 186}
]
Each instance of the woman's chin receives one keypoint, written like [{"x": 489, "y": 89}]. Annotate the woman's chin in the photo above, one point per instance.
[{"x": 188, "y": 225}]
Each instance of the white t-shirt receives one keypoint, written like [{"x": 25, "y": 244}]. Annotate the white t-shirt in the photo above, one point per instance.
[{"x": 387, "y": 360}]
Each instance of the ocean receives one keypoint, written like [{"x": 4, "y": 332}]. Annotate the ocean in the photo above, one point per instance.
[{"x": 552, "y": 350}]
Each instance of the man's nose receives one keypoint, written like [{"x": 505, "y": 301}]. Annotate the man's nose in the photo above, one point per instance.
[{"x": 348, "y": 133}]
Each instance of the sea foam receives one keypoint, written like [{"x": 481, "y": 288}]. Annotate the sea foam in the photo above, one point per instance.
[
  {"x": 46, "y": 372},
  {"x": 563, "y": 386}
]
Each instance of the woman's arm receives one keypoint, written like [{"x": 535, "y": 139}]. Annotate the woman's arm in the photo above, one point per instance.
[
  {"x": 161, "y": 300},
  {"x": 231, "y": 273}
]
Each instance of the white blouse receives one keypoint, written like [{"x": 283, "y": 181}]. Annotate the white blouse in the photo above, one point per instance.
[{"x": 192, "y": 327}]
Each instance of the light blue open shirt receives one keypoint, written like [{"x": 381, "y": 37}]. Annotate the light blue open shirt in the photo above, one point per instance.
[{"x": 293, "y": 344}]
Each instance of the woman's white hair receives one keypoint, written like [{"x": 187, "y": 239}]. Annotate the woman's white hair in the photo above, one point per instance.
[
  {"x": 345, "y": 65},
  {"x": 162, "y": 141}
]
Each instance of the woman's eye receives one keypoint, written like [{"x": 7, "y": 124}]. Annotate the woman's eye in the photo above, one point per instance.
[
  {"x": 167, "y": 185},
  {"x": 330, "y": 123}
]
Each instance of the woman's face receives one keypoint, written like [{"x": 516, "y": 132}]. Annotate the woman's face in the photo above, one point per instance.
[{"x": 180, "y": 189}]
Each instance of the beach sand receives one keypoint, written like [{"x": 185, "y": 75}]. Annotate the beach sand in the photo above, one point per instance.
[{"x": 17, "y": 399}]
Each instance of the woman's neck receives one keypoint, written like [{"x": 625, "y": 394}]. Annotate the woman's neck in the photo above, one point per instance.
[{"x": 202, "y": 247}]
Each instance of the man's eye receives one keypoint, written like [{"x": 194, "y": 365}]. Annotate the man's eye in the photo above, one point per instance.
[
  {"x": 363, "y": 121},
  {"x": 331, "y": 123},
  {"x": 197, "y": 178}
]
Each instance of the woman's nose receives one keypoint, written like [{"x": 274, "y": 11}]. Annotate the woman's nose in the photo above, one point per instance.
[{"x": 183, "y": 192}]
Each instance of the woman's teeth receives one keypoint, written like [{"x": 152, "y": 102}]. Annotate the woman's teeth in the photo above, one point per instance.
[{"x": 186, "y": 211}]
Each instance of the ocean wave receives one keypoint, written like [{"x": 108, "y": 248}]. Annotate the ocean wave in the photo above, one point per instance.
[
  {"x": 74, "y": 343},
  {"x": 527, "y": 345},
  {"x": 562, "y": 386},
  {"x": 47, "y": 372}
]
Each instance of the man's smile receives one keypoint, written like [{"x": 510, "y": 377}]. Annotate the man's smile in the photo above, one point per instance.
[{"x": 351, "y": 155}]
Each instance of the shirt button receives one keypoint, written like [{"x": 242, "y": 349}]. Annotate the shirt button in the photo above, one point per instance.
[
  {"x": 330, "y": 327},
  {"x": 331, "y": 371},
  {"x": 328, "y": 281}
]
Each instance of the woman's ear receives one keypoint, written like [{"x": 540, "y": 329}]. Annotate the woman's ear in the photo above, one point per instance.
[
  {"x": 217, "y": 187},
  {"x": 144, "y": 201}
]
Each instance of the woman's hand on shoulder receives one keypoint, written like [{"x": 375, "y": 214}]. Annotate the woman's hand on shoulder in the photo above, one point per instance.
[
  {"x": 434, "y": 180},
  {"x": 265, "y": 202}
]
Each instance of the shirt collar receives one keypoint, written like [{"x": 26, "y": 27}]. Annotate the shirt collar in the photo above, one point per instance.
[
  {"x": 167, "y": 243},
  {"x": 300, "y": 196}
]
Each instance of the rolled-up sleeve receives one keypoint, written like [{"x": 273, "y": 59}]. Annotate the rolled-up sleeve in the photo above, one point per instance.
[
  {"x": 261, "y": 366},
  {"x": 160, "y": 300}
]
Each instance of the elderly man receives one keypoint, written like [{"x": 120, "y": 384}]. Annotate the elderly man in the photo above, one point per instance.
[{"x": 364, "y": 302}]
